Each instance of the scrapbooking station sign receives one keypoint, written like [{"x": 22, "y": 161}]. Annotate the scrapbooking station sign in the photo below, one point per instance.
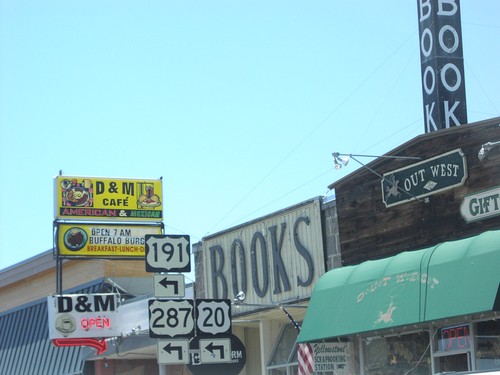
[{"x": 90, "y": 198}]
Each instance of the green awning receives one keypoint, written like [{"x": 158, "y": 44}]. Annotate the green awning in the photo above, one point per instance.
[{"x": 450, "y": 279}]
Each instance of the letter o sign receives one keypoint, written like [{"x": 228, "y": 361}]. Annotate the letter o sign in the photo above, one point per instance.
[
  {"x": 432, "y": 80},
  {"x": 457, "y": 74},
  {"x": 442, "y": 42}
]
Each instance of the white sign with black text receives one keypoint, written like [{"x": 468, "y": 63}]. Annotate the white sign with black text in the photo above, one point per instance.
[
  {"x": 171, "y": 318},
  {"x": 171, "y": 352},
  {"x": 167, "y": 253},
  {"x": 169, "y": 286},
  {"x": 215, "y": 350},
  {"x": 213, "y": 317}
]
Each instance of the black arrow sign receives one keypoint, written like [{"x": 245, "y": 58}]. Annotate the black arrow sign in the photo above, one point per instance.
[
  {"x": 166, "y": 283},
  {"x": 169, "y": 348},
  {"x": 211, "y": 348}
]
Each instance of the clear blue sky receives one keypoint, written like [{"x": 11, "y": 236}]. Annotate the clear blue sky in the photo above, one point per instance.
[{"x": 238, "y": 105}]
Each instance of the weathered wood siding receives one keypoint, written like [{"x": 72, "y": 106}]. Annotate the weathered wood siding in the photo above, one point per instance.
[{"x": 370, "y": 230}]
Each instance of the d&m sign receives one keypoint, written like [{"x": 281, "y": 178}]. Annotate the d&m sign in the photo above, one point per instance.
[
  {"x": 94, "y": 198},
  {"x": 425, "y": 178},
  {"x": 83, "y": 315}
]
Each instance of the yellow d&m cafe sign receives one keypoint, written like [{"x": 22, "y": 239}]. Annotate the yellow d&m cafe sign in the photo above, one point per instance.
[
  {"x": 103, "y": 240},
  {"x": 109, "y": 199}
]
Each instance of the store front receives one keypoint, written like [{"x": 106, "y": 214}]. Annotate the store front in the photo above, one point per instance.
[
  {"x": 268, "y": 268},
  {"x": 420, "y": 312}
]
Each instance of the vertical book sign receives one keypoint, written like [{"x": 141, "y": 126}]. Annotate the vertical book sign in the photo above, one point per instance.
[
  {"x": 167, "y": 253},
  {"x": 442, "y": 64}
]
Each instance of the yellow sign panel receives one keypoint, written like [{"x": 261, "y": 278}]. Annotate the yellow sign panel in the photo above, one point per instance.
[
  {"x": 103, "y": 240},
  {"x": 109, "y": 199}
]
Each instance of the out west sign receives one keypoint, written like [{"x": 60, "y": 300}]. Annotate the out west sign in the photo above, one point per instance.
[
  {"x": 425, "y": 178},
  {"x": 481, "y": 205}
]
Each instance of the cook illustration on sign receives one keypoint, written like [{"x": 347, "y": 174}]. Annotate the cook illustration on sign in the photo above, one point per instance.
[{"x": 77, "y": 194}]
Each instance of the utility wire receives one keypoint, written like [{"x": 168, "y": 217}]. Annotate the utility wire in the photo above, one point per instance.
[{"x": 315, "y": 129}]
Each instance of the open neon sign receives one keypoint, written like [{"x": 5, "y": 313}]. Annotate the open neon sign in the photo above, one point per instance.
[
  {"x": 89, "y": 323},
  {"x": 454, "y": 338}
]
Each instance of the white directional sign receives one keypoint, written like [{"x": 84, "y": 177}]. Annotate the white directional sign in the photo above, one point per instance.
[
  {"x": 171, "y": 352},
  {"x": 169, "y": 286},
  {"x": 213, "y": 317},
  {"x": 481, "y": 205},
  {"x": 171, "y": 318},
  {"x": 215, "y": 350},
  {"x": 167, "y": 253}
]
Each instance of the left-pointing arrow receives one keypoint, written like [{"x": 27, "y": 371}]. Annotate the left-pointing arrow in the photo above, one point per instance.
[
  {"x": 169, "y": 348},
  {"x": 165, "y": 282},
  {"x": 211, "y": 348}
]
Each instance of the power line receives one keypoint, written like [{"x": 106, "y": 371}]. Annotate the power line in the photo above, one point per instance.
[{"x": 315, "y": 129}]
